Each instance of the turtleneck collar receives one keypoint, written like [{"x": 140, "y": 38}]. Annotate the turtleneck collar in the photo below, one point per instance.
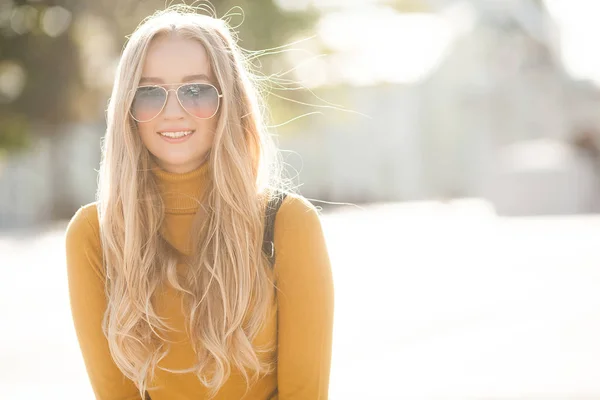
[{"x": 181, "y": 192}]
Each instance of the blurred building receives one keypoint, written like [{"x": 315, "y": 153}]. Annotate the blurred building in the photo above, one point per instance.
[
  {"x": 52, "y": 179},
  {"x": 499, "y": 89}
]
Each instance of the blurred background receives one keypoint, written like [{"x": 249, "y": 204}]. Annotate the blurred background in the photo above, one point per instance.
[{"x": 462, "y": 136}]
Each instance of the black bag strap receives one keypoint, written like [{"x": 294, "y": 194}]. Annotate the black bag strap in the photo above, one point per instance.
[{"x": 269, "y": 235}]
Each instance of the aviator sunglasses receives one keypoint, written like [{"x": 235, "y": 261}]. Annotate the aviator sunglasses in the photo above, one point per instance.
[{"x": 200, "y": 100}]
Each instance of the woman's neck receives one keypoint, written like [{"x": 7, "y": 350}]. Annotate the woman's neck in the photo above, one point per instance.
[{"x": 182, "y": 192}]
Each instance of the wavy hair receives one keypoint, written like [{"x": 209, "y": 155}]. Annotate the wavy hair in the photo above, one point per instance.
[{"x": 229, "y": 288}]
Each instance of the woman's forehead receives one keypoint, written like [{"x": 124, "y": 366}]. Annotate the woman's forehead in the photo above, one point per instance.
[{"x": 172, "y": 59}]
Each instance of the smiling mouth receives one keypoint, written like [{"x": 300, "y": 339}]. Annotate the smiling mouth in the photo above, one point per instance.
[{"x": 176, "y": 135}]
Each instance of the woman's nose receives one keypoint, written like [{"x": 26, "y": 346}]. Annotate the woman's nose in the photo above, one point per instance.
[{"x": 173, "y": 109}]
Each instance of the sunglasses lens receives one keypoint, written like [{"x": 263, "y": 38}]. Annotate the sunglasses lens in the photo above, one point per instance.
[
  {"x": 148, "y": 102},
  {"x": 199, "y": 99}
]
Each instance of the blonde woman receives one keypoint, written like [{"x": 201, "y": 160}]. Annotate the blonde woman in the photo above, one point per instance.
[{"x": 193, "y": 276}]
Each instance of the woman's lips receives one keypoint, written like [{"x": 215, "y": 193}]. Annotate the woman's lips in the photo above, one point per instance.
[{"x": 175, "y": 136}]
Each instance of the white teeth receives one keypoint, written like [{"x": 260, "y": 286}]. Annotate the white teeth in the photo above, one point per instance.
[{"x": 175, "y": 135}]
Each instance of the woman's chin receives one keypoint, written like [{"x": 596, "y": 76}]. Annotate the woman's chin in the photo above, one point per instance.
[{"x": 179, "y": 165}]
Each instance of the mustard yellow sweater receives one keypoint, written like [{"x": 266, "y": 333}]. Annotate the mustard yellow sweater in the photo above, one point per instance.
[{"x": 300, "y": 322}]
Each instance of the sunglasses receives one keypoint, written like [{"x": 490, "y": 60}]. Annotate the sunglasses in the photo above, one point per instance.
[{"x": 200, "y": 100}]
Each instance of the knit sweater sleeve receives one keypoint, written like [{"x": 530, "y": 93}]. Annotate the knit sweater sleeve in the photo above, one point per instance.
[
  {"x": 305, "y": 302},
  {"x": 86, "y": 281}
]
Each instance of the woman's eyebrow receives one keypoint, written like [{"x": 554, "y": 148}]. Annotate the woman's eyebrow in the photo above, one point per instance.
[
  {"x": 187, "y": 78},
  {"x": 197, "y": 77}
]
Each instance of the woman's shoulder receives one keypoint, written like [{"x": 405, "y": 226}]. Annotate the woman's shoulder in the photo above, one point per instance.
[
  {"x": 83, "y": 247},
  {"x": 295, "y": 204},
  {"x": 84, "y": 226},
  {"x": 297, "y": 211},
  {"x": 299, "y": 240}
]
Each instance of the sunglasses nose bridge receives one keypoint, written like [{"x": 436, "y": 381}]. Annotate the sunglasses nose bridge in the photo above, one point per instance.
[{"x": 177, "y": 100}]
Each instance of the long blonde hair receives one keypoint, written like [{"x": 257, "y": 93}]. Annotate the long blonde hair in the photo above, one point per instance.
[{"x": 230, "y": 288}]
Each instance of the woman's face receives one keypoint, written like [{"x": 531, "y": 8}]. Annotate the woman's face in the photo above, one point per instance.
[{"x": 170, "y": 62}]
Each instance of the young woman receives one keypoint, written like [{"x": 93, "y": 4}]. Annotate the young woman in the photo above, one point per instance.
[{"x": 183, "y": 284}]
